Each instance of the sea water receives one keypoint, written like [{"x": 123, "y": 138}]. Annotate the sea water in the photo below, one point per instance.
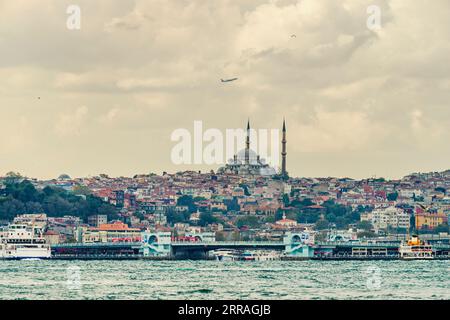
[{"x": 224, "y": 280}]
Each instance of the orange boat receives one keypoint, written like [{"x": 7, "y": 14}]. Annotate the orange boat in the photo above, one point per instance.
[{"x": 416, "y": 249}]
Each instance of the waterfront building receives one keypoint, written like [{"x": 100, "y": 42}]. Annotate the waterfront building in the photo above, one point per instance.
[
  {"x": 97, "y": 220},
  {"x": 287, "y": 223},
  {"x": 38, "y": 220},
  {"x": 382, "y": 218},
  {"x": 52, "y": 237},
  {"x": 429, "y": 220},
  {"x": 112, "y": 232}
]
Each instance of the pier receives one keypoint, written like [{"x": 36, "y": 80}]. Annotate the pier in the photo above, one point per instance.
[{"x": 201, "y": 250}]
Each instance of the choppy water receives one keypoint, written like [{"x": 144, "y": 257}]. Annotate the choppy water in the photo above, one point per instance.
[{"x": 224, "y": 280}]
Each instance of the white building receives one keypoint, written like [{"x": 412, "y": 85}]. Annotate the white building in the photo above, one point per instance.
[
  {"x": 97, "y": 220},
  {"x": 38, "y": 220},
  {"x": 382, "y": 218},
  {"x": 410, "y": 193}
]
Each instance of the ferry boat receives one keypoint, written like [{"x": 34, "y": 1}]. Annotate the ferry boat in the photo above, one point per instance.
[
  {"x": 260, "y": 255},
  {"x": 226, "y": 254},
  {"x": 19, "y": 241},
  {"x": 238, "y": 255},
  {"x": 416, "y": 249}
]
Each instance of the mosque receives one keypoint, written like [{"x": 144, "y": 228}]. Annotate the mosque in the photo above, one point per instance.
[{"x": 247, "y": 163}]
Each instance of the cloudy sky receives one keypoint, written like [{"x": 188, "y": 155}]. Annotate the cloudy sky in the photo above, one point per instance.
[{"x": 358, "y": 102}]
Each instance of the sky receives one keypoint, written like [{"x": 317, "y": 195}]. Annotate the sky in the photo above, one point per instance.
[{"x": 105, "y": 98}]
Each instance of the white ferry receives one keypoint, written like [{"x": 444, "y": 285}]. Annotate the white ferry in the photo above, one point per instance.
[
  {"x": 226, "y": 254},
  {"x": 415, "y": 249},
  {"x": 19, "y": 241},
  {"x": 260, "y": 255},
  {"x": 254, "y": 255}
]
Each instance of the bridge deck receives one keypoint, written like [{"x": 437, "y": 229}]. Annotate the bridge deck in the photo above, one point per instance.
[
  {"x": 98, "y": 244},
  {"x": 241, "y": 244}
]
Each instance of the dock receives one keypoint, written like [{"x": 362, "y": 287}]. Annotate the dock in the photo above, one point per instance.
[{"x": 325, "y": 251}]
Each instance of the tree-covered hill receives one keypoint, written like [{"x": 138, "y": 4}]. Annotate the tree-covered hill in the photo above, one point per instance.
[{"x": 22, "y": 197}]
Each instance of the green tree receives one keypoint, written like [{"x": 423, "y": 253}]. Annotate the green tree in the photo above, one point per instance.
[
  {"x": 12, "y": 178},
  {"x": 245, "y": 187},
  {"x": 302, "y": 203},
  {"x": 207, "y": 218},
  {"x": 188, "y": 201},
  {"x": 364, "y": 225},
  {"x": 441, "y": 228},
  {"x": 82, "y": 190},
  {"x": 392, "y": 196},
  {"x": 232, "y": 205},
  {"x": 366, "y": 234},
  {"x": 176, "y": 217},
  {"x": 270, "y": 219},
  {"x": 440, "y": 189},
  {"x": 23, "y": 197},
  {"x": 322, "y": 224},
  {"x": 308, "y": 216},
  {"x": 285, "y": 200},
  {"x": 249, "y": 221}
]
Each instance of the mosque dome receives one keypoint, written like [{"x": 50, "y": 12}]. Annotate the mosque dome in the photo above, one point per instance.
[
  {"x": 64, "y": 177},
  {"x": 252, "y": 156},
  {"x": 248, "y": 162}
]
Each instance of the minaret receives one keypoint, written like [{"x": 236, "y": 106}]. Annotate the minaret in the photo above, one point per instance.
[
  {"x": 283, "y": 152},
  {"x": 247, "y": 144}
]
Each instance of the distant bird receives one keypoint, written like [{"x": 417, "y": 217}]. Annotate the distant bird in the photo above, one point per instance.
[
  {"x": 228, "y": 80},
  {"x": 39, "y": 98},
  {"x": 293, "y": 36}
]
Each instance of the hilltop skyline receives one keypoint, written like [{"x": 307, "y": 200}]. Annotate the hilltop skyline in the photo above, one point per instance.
[
  {"x": 69, "y": 177},
  {"x": 106, "y": 98}
]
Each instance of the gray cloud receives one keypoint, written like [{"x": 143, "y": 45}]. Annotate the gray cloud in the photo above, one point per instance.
[{"x": 358, "y": 102}]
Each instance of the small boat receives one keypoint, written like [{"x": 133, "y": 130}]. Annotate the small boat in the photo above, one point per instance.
[{"x": 415, "y": 249}]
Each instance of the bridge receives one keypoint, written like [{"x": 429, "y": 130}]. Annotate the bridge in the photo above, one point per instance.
[
  {"x": 201, "y": 249},
  {"x": 244, "y": 245},
  {"x": 98, "y": 250},
  {"x": 160, "y": 245}
]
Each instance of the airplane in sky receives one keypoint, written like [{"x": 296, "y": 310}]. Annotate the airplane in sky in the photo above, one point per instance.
[{"x": 228, "y": 80}]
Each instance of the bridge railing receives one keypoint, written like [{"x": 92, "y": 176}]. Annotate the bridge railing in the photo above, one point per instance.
[
  {"x": 239, "y": 243},
  {"x": 95, "y": 244},
  {"x": 231, "y": 243},
  {"x": 357, "y": 244},
  {"x": 371, "y": 244}
]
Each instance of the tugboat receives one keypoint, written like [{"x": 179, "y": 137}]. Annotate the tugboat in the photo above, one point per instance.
[
  {"x": 416, "y": 249},
  {"x": 20, "y": 242}
]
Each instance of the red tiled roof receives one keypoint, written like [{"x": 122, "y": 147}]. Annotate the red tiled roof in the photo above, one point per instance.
[{"x": 116, "y": 226}]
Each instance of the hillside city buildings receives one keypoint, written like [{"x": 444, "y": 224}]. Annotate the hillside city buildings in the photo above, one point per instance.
[{"x": 247, "y": 199}]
